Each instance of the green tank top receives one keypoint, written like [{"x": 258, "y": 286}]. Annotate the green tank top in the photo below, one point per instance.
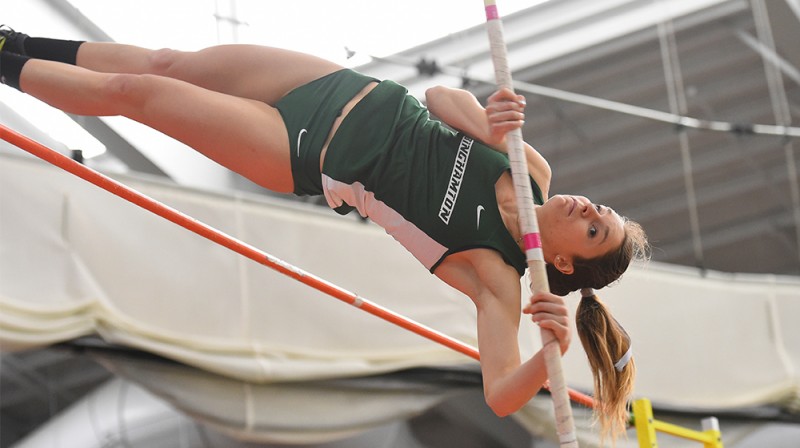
[{"x": 429, "y": 187}]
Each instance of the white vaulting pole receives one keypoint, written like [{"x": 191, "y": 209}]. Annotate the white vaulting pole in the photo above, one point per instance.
[{"x": 530, "y": 231}]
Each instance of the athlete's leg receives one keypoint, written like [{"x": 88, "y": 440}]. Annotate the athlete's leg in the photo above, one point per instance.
[
  {"x": 243, "y": 135},
  {"x": 248, "y": 71}
]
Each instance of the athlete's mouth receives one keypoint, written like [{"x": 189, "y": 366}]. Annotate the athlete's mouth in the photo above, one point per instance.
[{"x": 572, "y": 208}]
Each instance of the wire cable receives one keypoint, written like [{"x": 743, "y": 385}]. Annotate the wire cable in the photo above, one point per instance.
[
  {"x": 614, "y": 106},
  {"x": 678, "y": 106},
  {"x": 780, "y": 106}
]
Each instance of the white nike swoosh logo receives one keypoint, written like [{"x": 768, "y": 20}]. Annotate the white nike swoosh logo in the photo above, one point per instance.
[
  {"x": 299, "y": 137},
  {"x": 480, "y": 209}
]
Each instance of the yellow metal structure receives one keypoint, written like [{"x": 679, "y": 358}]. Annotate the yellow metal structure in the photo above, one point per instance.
[{"x": 647, "y": 426}]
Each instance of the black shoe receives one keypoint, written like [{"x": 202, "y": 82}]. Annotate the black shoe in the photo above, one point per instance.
[{"x": 12, "y": 41}]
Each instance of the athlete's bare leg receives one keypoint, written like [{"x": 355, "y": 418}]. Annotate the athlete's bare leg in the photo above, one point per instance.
[
  {"x": 244, "y": 135},
  {"x": 248, "y": 71}
]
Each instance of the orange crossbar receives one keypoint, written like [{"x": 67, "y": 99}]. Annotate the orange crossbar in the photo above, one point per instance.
[{"x": 208, "y": 232}]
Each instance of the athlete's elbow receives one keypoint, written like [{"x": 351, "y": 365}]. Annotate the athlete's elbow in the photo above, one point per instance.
[
  {"x": 434, "y": 92},
  {"x": 433, "y": 96},
  {"x": 501, "y": 407}
]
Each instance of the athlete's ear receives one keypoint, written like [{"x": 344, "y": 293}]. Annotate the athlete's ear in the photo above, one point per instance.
[{"x": 563, "y": 264}]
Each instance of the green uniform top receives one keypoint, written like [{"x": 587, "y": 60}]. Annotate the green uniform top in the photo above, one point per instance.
[{"x": 429, "y": 187}]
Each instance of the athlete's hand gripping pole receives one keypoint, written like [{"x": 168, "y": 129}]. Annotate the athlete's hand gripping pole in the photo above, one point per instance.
[{"x": 530, "y": 231}]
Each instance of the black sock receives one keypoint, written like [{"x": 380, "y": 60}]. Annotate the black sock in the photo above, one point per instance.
[
  {"x": 11, "y": 67},
  {"x": 52, "y": 49}
]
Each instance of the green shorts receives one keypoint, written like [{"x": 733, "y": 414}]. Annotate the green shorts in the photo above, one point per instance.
[{"x": 308, "y": 113}]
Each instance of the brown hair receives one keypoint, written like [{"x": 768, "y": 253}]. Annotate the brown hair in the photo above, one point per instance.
[
  {"x": 605, "y": 343},
  {"x": 603, "y": 338}
]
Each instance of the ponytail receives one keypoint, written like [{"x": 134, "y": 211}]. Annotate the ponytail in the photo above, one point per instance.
[{"x": 608, "y": 348}]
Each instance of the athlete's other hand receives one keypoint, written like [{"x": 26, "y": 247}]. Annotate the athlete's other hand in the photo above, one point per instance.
[
  {"x": 505, "y": 111},
  {"x": 549, "y": 311}
]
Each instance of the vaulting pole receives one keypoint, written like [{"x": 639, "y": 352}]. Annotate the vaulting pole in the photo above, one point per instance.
[{"x": 530, "y": 231}]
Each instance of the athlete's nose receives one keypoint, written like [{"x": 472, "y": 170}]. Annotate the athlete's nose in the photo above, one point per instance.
[
  {"x": 591, "y": 211},
  {"x": 585, "y": 206}
]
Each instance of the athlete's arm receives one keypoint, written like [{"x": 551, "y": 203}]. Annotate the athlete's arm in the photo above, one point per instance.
[
  {"x": 460, "y": 110},
  {"x": 508, "y": 383},
  {"x": 508, "y": 388}
]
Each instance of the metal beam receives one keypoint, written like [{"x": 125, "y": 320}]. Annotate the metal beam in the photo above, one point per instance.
[
  {"x": 114, "y": 142},
  {"x": 118, "y": 146},
  {"x": 731, "y": 234},
  {"x": 74, "y": 16},
  {"x": 789, "y": 70}
]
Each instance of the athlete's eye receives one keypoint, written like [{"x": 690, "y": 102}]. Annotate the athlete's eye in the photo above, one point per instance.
[
  {"x": 592, "y": 231},
  {"x": 598, "y": 208}
]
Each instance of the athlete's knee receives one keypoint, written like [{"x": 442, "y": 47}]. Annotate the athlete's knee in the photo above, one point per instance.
[
  {"x": 124, "y": 89},
  {"x": 163, "y": 61}
]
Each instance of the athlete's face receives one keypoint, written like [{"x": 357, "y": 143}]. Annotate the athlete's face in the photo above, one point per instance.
[{"x": 571, "y": 226}]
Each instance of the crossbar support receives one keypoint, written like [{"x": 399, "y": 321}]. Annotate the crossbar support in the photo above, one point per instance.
[{"x": 647, "y": 427}]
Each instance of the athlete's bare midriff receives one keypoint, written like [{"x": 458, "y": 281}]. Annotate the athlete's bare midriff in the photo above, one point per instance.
[{"x": 345, "y": 110}]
